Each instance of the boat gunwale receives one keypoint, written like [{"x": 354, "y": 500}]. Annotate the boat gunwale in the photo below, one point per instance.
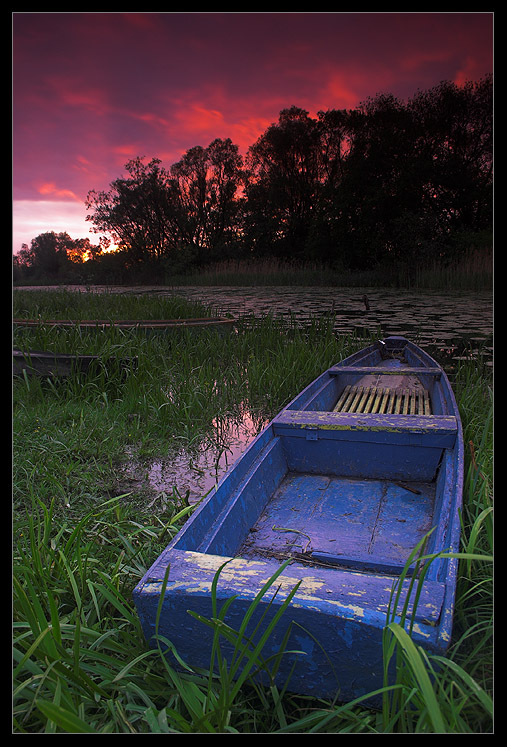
[{"x": 183, "y": 322}]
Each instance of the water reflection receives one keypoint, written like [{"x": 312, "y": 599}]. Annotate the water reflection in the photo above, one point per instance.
[{"x": 187, "y": 474}]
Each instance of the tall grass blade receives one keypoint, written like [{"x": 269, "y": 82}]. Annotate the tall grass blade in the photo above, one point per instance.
[
  {"x": 63, "y": 718},
  {"x": 415, "y": 660},
  {"x": 474, "y": 689}
]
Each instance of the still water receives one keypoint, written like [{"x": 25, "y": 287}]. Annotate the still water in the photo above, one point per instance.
[
  {"x": 433, "y": 317},
  {"x": 450, "y": 325},
  {"x": 187, "y": 475}
]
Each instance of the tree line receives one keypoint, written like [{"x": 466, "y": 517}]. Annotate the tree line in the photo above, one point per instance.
[{"x": 386, "y": 183}]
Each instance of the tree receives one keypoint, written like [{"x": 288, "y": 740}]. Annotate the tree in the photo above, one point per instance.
[
  {"x": 205, "y": 186},
  {"x": 456, "y": 146},
  {"x": 284, "y": 181},
  {"x": 327, "y": 241},
  {"x": 386, "y": 182},
  {"x": 47, "y": 255},
  {"x": 380, "y": 181},
  {"x": 153, "y": 214},
  {"x": 53, "y": 256},
  {"x": 82, "y": 250},
  {"x": 136, "y": 211},
  {"x": 334, "y": 145}
]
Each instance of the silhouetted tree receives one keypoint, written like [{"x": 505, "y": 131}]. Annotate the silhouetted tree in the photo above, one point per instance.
[
  {"x": 53, "y": 256},
  {"x": 204, "y": 187},
  {"x": 136, "y": 211},
  {"x": 455, "y": 150},
  {"x": 387, "y": 182},
  {"x": 82, "y": 250},
  {"x": 379, "y": 183},
  {"x": 283, "y": 185},
  {"x": 152, "y": 213},
  {"x": 327, "y": 240}
]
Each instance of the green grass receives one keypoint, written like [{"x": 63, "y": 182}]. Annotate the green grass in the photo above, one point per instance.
[
  {"x": 81, "y": 544},
  {"x": 65, "y": 304}
]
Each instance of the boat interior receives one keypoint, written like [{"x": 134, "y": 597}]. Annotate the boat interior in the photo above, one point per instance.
[{"x": 352, "y": 474}]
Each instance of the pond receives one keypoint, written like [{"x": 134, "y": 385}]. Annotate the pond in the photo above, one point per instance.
[
  {"x": 460, "y": 319},
  {"x": 450, "y": 325}
]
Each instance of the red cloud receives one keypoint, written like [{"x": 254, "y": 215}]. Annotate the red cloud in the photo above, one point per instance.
[
  {"x": 198, "y": 118},
  {"x": 126, "y": 150}
]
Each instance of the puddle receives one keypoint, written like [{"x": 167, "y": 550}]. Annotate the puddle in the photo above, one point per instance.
[{"x": 184, "y": 476}]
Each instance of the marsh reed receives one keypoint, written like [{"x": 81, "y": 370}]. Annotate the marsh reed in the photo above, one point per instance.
[{"x": 471, "y": 270}]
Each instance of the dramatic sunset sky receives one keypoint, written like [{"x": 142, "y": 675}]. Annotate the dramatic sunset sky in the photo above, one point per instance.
[{"x": 93, "y": 90}]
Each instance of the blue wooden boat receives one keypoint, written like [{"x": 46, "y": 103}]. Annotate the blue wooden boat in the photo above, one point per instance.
[{"x": 343, "y": 484}]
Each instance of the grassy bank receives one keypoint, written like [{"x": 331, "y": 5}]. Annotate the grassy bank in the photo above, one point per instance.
[
  {"x": 108, "y": 306},
  {"x": 82, "y": 539}
]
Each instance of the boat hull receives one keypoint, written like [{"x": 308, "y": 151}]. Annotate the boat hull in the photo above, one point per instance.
[
  {"x": 62, "y": 365},
  {"x": 332, "y": 502},
  {"x": 153, "y": 325}
]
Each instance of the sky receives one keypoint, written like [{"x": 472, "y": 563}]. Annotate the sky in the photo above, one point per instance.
[{"x": 91, "y": 91}]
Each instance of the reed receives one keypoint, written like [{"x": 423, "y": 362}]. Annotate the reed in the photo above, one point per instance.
[
  {"x": 81, "y": 543},
  {"x": 472, "y": 270},
  {"x": 267, "y": 271}
]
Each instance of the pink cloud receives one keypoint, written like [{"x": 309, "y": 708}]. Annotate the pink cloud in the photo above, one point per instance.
[
  {"x": 50, "y": 189},
  {"x": 416, "y": 59},
  {"x": 469, "y": 71},
  {"x": 341, "y": 89},
  {"x": 247, "y": 131},
  {"x": 74, "y": 91},
  {"x": 151, "y": 118},
  {"x": 127, "y": 150}
]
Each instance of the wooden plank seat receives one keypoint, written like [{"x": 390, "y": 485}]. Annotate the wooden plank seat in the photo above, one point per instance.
[
  {"x": 348, "y": 423},
  {"x": 394, "y": 446},
  {"x": 388, "y": 400}
]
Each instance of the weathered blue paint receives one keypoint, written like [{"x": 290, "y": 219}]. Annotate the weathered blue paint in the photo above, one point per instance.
[{"x": 346, "y": 496}]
